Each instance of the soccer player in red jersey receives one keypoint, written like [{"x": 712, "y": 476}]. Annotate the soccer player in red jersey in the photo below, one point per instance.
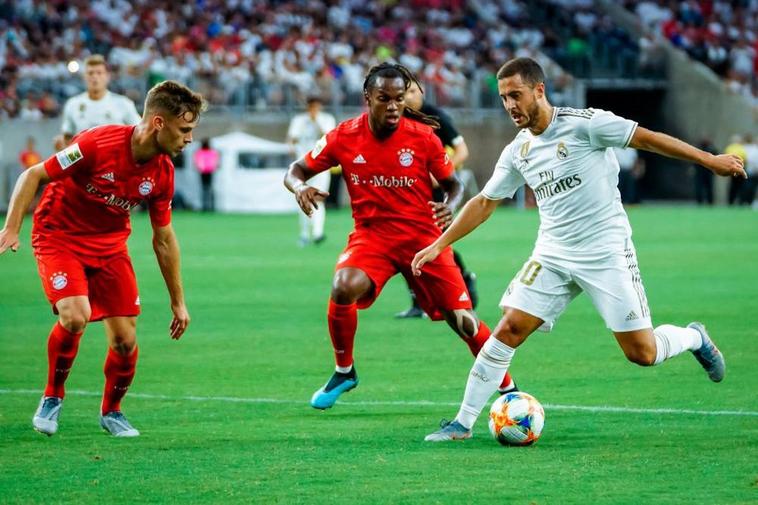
[
  {"x": 79, "y": 238},
  {"x": 388, "y": 157}
]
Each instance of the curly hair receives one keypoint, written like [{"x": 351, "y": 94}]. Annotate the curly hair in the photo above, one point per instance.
[{"x": 394, "y": 70}]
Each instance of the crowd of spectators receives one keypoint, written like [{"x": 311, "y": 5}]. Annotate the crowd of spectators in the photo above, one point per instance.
[
  {"x": 721, "y": 34},
  {"x": 261, "y": 53}
]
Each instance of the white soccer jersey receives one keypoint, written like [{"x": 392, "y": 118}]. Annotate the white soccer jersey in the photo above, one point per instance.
[
  {"x": 81, "y": 112},
  {"x": 306, "y": 132},
  {"x": 574, "y": 175}
]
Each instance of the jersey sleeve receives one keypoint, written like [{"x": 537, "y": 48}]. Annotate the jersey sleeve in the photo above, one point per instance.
[
  {"x": 323, "y": 156},
  {"x": 131, "y": 116},
  {"x": 609, "y": 130},
  {"x": 293, "y": 132},
  {"x": 160, "y": 204},
  {"x": 67, "y": 126},
  {"x": 79, "y": 156},
  {"x": 506, "y": 179},
  {"x": 440, "y": 165}
]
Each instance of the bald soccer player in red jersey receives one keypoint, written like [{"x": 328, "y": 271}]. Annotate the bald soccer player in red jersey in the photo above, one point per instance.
[
  {"x": 388, "y": 157},
  {"x": 79, "y": 238}
]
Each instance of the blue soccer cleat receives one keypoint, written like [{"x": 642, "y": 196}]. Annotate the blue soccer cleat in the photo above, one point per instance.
[
  {"x": 339, "y": 383},
  {"x": 449, "y": 430},
  {"x": 709, "y": 355}
]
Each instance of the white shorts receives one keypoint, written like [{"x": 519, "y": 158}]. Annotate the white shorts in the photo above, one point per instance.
[{"x": 546, "y": 284}]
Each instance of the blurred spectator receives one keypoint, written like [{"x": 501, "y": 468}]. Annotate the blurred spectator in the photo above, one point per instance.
[
  {"x": 248, "y": 53},
  {"x": 97, "y": 106},
  {"x": 29, "y": 156},
  {"x": 737, "y": 147},
  {"x": 304, "y": 131},
  {"x": 721, "y": 34},
  {"x": 703, "y": 177},
  {"x": 206, "y": 162},
  {"x": 751, "y": 167},
  {"x": 631, "y": 170}
]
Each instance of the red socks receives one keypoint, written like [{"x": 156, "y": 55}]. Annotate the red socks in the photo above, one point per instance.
[
  {"x": 343, "y": 321},
  {"x": 476, "y": 343},
  {"x": 62, "y": 346},
  {"x": 119, "y": 372}
]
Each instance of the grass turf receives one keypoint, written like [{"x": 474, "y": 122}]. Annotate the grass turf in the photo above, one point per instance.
[{"x": 259, "y": 332}]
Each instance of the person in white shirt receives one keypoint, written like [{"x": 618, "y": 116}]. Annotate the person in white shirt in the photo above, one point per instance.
[
  {"x": 97, "y": 106},
  {"x": 304, "y": 131},
  {"x": 584, "y": 240}
]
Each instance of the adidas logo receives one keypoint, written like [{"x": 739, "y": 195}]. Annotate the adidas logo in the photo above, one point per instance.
[
  {"x": 108, "y": 176},
  {"x": 359, "y": 160},
  {"x": 463, "y": 297},
  {"x": 632, "y": 316}
]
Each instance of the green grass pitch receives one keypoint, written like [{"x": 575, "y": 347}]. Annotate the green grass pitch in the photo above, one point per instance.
[{"x": 224, "y": 412}]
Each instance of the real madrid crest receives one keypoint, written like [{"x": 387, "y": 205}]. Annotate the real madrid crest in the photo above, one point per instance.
[
  {"x": 146, "y": 186},
  {"x": 524, "y": 149},
  {"x": 562, "y": 152},
  {"x": 405, "y": 157}
]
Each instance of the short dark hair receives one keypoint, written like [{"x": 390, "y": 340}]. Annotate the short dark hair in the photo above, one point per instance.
[
  {"x": 175, "y": 99},
  {"x": 530, "y": 71}
]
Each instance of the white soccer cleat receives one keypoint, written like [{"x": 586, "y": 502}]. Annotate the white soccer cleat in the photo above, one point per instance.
[
  {"x": 449, "y": 430},
  {"x": 117, "y": 425},
  {"x": 709, "y": 355},
  {"x": 45, "y": 419}
]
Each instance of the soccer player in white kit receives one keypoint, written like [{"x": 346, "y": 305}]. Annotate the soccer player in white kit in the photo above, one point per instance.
[
  {"x": 584, "y": 241},
  {"x": 97, "y": 106},
  {"x": 304, "y": 131}
]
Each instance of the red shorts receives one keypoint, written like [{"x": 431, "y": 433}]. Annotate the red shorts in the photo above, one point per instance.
[
  {"x": 109, "y": 282},
  {"x": 440, "y": 286}
]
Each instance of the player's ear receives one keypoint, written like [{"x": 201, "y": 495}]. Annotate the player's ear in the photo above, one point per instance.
[
  {"x": 539, "y": 90},
  {"x": 157, "y": 122}
]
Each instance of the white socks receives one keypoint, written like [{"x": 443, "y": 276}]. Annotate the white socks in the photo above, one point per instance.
[
  {"x": 343, "y": 369},
  {"x": 485, "y": 377},
  {"x": 671, "y": 340}
]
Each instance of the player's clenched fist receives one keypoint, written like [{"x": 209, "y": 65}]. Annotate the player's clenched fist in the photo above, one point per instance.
[
  {"x": 8, "y": 240},
  {"x": 727, "y": 165}
]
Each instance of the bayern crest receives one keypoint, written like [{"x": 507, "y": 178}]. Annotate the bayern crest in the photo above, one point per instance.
[
  {"x": 405, "y": 157},
  {"x": 146, "y": 186},
  {"x": 59, "y": 280}
]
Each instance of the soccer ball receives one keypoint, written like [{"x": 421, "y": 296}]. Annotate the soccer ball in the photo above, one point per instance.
[{"x": 516, "y": 419}]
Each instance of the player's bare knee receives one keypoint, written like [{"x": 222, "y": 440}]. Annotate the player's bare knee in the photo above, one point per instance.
[
  {"x": 348, "y": 287},
  {"x": 509, "y": 332},
  {"x": 124, "y": 344},
  {"x": 640, "y": 354},
  {"x": 75, "y": 319}
]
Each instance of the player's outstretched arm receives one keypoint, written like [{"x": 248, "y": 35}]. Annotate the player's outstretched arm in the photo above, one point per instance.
[
  {"x": 307, "y": 197},
  {"x": 166, "y": 249},
  {"x": 475, "y": 212},
  {"x": 23, "y": 194},
  {"x": 721, "y": 164}
]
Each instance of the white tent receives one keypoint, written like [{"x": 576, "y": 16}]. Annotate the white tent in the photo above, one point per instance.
[{"x": 250, "y": 178}]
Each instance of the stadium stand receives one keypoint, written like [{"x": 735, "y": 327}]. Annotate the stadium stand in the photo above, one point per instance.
[
  {"x": 719, "y": 34},
  {"x": 270, "y": 54}
]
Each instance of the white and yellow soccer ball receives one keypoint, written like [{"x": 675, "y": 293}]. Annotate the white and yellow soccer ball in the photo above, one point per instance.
[{"x": 516, "y": 419}]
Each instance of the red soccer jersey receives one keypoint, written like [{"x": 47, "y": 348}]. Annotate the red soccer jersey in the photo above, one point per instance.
[
  {"x": 388, "y": 179},
  {"x": 95, "y": 184}
]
